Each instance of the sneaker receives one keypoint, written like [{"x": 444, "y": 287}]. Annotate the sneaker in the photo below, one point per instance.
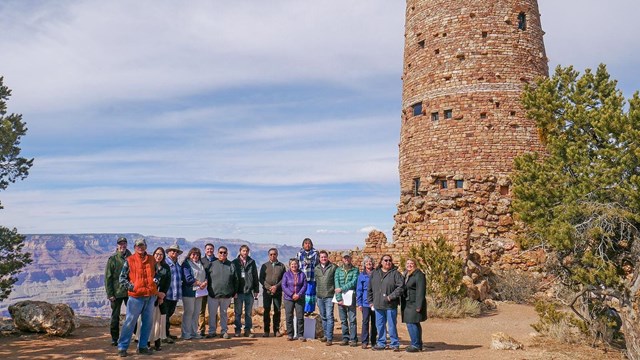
[
  {"x": 226, "y": 336},
  {"x": 210, "y": 336},
  {"x": 122, "y": 353},
  {"x": 344, "y": 342},
  {"x": 329, "y": 343},
  {"x": 265, "y": 334},
  {"x": 323, "y": 339},
  {"x": 145, "y": 351},
  {"x": 412, "y": 349},
  {"x": 237, "y": 334},
  {"x": 248, "y": 334},
  {"x": 302, "y": 339},
  {"x": 353, "y": 343},
  {"x": 377, "y": 348},
  {"x": 277, "y": 334}
]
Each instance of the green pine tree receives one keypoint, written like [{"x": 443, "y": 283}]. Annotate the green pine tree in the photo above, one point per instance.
[
  {"x": 13, "y": 167},
  {"x": 581, "y": 198}
]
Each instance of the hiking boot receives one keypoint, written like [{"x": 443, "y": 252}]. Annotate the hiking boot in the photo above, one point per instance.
[
  {"x": 210, "y": 336},
  {"x": 329, "y": 343},
  {"x": 122, "y": 353},
  {"x": 353, "y": 343},
  {"x": 377, "y": 348},
  {"x": 344, "y": 343},
  {"x": 412, "y": 349},
  {"x": 323, "y": 339},
  {"x": 145, "y": 351}
]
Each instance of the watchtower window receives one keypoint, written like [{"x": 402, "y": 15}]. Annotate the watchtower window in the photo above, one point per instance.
[
  {"x": 459, "y": 184},
  {"x": 522, "y": 21},
  {"x": 448, "y": 114},
  {"x": 435, "y": 116},
  {"x": 436, "y": 51},
  {"x": 485, "y": 34},
  {"x": 417, "y": 109},
  {"x": 483, "y": 115},
  {"x": 416, "y": 186},
  {"x": 421, "y": 44},
  {"x": 443, "y": 184}
]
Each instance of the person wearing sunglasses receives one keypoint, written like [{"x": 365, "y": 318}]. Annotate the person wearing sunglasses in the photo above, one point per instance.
[
  {"x": 270, "y": 279},
  {"x": 386, "y": 286},
  {"x": 222, "y": 286}
]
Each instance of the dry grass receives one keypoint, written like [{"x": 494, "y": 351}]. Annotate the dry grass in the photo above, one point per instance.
[{"x": 454, "y": 308}]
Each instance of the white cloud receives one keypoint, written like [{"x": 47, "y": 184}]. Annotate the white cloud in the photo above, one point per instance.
[{"x": 367, "y": 229}]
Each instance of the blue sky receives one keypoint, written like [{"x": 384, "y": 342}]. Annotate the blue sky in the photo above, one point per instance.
[{"x": 268, "y": 121}]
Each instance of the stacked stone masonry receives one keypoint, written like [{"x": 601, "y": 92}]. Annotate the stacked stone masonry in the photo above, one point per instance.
[{"x": 466, "y": 64}]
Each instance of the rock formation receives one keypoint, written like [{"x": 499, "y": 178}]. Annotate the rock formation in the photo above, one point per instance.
[{"x": 40, "y": 316}]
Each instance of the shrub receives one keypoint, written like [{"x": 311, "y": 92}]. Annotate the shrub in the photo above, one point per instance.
[
  {"x": 516, "y": 286},
  {"x": 453, "y": 308}
]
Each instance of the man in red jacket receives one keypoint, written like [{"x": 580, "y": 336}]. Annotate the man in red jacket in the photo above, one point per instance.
[{"x": 138, "y": 276}]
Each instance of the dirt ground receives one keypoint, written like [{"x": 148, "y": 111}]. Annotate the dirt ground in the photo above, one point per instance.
[{"x": 445, "y": 339}]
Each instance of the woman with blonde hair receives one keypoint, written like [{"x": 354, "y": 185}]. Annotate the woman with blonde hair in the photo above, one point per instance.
[
  {"x": 414, "y": 304},
  {"x": 368, "y": 315}
]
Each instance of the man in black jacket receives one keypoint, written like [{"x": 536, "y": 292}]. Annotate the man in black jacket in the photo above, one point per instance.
[
  {"x": 222, "y": 283},
  {"x": 248, "y": 289},
  {"x": 271, "y": 274},
  {"x": 386, "y": 286}
]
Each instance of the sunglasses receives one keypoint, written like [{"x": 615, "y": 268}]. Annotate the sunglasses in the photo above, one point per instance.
[
  {"x": 386, "y": 260},
  {"x": 222, "y": 252}
]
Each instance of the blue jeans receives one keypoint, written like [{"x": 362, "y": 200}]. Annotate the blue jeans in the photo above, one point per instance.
[
  {"x": 325, "y": 305},
  {"x": 245, "y": 300},
  {"x": 388, "y": 317},
  {"x": 415, "y": 333},
  {"x": 349, "y": 330},
  {"x": 140, "y": 306}
]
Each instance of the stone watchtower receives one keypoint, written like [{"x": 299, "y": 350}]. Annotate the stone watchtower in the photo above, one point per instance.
[{"x": 465, "y": 66}]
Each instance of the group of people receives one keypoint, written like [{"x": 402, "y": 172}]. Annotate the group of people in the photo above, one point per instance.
[{"x": 151, "y": 285}]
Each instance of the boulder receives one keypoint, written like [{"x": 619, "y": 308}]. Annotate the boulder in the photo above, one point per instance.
[
  {"x": 502, "y": 341},
  {"x": 40, "y": 316}
]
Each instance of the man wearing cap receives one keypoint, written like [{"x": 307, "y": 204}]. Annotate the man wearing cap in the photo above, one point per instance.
[
  {"x": 138, "y": 276},
  {"x": 346, "y": 279},
  {"x": 116, "y": 293},
  {"x": 175, "y": 290}
]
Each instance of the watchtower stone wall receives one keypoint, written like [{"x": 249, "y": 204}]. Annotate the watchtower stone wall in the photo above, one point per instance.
[{"x": 466, "y": 64}]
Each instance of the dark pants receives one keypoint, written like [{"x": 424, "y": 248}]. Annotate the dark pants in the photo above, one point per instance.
[
  {"x": 116, "y": 306},
  {"x": 368, "y": 314},
  {"x": 171, "y": 308},
  {"x": 276, "y": 300},
  {"x": 201, "y": 319},
  {"x": 289, "y": 307}
]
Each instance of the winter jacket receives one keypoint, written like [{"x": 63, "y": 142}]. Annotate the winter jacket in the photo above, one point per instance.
[
  {"x": 163, "y": 276},
  {"x": 138, "y": 275},
  {"x": 361, "y": 289},
  {"x": 345, "y": 280},
  {"x": 383, "y": 284},
  {"x": 325, "y": 280},
  {"x": 222, "y": 280},
  {"x": 247, "y": 276},
  {"x": 414, "y": 298},
  {"x": 188, "y": 280},
  {"x": 308, "y": 261},
  {"x": 112, "y": 275},
  {"x": 271, "y": 274},
  {"x": 294, "y": 284}
]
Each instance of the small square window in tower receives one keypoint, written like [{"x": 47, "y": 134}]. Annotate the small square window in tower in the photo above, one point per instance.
[
  {"x": 459, "y": 184},
  {"x": 448, "y": 114},
  {"x": 443, "y": 184},
  {"x": 522, "y": 21},
  {"x": 416, "y": 186},
  {"x": 417, "y": 109},
  {"x": 435, "y": 116},
  {"x": 421, "y": 44}
]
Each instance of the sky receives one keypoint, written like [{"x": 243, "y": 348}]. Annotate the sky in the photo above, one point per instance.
[{"x": 267, "y": 121}]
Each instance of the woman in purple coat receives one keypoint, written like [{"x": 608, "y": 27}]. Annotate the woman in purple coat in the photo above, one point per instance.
[{"x": 294, "y": 285}]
